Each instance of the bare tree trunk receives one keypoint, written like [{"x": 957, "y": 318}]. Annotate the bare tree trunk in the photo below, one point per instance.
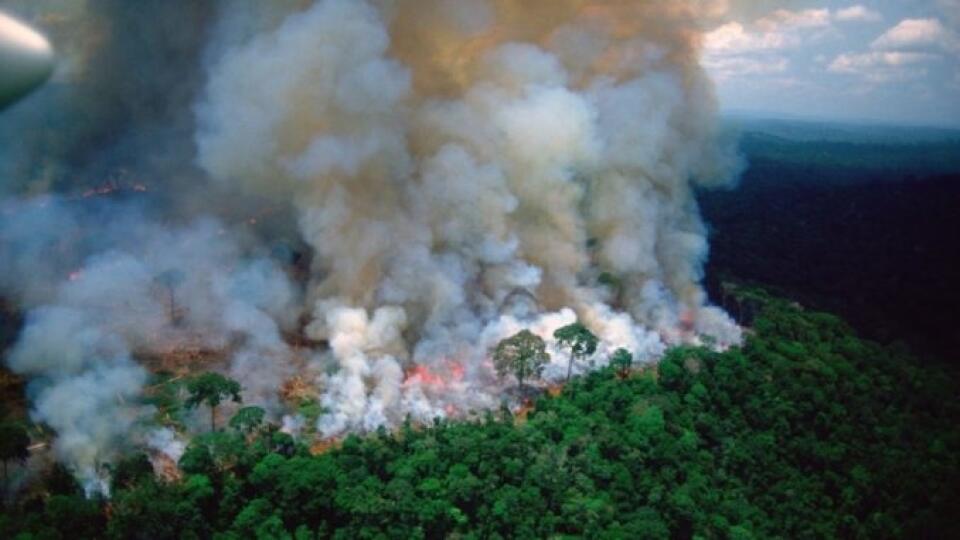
[
  {"x": 173, "y": 306},
  {"x": 213, "y": 418}
]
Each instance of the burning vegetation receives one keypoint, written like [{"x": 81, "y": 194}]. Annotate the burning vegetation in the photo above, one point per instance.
[
  {"x": 252, "y": 235},
  {"x": 347, "y": 206}
]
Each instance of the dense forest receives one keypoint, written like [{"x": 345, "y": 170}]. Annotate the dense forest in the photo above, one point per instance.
[
  {"x": 851, "y": 221},
  {"x": 815, "y": 428},
  {"x": 806, "y": 432}
]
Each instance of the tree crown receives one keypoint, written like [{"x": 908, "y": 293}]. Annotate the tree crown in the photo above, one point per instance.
[
  {"x": 212, "y": 389},
  {"x": 525, "y": 352},
  {"x": 248, "y": 419},
  {"x": 578, "y": 338}
]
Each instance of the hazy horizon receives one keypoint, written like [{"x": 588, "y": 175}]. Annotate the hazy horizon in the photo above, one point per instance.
[{"x": 763, "y": 115}]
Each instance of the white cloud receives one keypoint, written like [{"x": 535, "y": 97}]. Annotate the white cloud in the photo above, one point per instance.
[
  {"x": 737, "y": 48},
  {"x": 724, "y": 68},
  {"x": 858, "y": 13},
  {"x": 903, "y": 53},
  {"x": 778, "y": 30},
  {"x": 733, "y": 38},
  {"x": 851, "y": 62},
  {"x": 785, "y": 20},
  {"x": 882, "y": 66},
  {"x": 875, "y": 57},
  {"x": 914, "y": 34}
]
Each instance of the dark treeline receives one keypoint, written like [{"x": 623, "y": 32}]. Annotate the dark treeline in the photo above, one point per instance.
[
  {"x": 862, "y": 230},
  {"x": 853, "y": 161},
  {"x": 805, "y": 432}
]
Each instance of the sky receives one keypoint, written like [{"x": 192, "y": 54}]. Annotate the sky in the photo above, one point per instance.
[{"x": 888, "y": 61}]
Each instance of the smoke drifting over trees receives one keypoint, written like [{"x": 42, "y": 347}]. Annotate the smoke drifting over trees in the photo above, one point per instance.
[{"x": 453, "y": 172}]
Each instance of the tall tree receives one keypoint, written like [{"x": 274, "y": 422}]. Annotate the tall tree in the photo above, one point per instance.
[
  {"x": 13, "y": 444},
  {"x": 622, "y": 361},
  {"x": 170, "y": 280},
  {"x": 579, "y": 340},
  {"x": 248, "y": 419},
  {"x": 211, "y": 389},
  {"x": 524, "y": 354}
]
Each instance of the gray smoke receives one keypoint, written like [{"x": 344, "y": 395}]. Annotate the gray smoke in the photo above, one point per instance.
[{"x": 363, "y": 196}]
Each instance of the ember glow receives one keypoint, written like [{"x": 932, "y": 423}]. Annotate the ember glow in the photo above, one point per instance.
[
  {"x": 423, "y": 375},
  {"x": 351, "y": 202}
]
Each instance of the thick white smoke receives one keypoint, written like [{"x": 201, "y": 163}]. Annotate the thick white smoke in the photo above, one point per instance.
[
  {"x": 455, "y": 171},
  {"x": 437, "y": 171},
  {"x": 89, "y": 345}
]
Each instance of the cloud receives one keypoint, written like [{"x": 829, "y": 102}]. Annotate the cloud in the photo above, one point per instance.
[
  {"x": 779, "y": 30},
  {"x": 858, "y": 13},
  {"x": 737, "y": 48},
  {"x": 904, "y": 52},
  {"x": 727, "y": 67},
  {"x": 733, "y": 38},
  {"x": 783, "y": 20},
  {"x": 882, "y": 66},
  {"x": 918, "y": 34}
]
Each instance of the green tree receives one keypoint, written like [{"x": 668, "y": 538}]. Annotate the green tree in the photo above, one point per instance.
[
  {"x": 622, "y": 361},
  {"x": 248, "y": 419},
  {"x": 211, "y": 389},
  {"x": 13, "y": 444},
  {"x": 130, "y": 470},
  {"x": 524, "y": 354},
  {"x": 579, "y": 340}
]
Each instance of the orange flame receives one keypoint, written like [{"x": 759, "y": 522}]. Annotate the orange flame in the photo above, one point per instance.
[{"x": 425, "y": 376}]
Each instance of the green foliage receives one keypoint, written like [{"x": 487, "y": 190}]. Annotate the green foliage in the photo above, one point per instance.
[
  {"x": 622, "y": 362},
  {"x": 154, "y": 510},
  {"x": 130, "y": 470},
  {"x": 579, "y": 340},
  {"x": 69, "y": 516},
  {"x": 164, "y": 394},
  {"x": 805, "y": 432},
  {"x": 310, "y": 410},
  {"x": 211, "y": 389},
  {"x": 524, "y": 355},
  {"x": 248, "y": 419}
]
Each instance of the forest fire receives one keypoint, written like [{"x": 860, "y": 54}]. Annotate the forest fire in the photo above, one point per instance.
[
  {"x": 450, "y": 372},
  {"x": 436, "y": 269},
  {"x": 351, "y": 263}
]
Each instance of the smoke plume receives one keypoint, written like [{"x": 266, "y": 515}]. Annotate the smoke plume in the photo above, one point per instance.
[{"x": 361, "y": 197}]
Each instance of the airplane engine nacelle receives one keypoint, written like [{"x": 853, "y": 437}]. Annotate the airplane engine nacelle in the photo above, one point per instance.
[{"x": 26, "y": 59}]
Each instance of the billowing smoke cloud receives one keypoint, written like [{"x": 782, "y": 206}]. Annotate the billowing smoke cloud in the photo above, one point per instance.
[
  {"x": 89, "y": 345},
  {"x": 439, "y": 166},
  {"x": 440, "y": 174}
]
